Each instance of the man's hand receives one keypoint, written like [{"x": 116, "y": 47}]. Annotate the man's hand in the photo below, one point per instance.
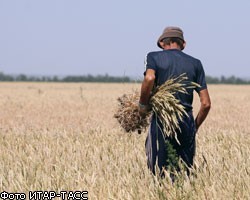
[{"x": 143, "y": 109}]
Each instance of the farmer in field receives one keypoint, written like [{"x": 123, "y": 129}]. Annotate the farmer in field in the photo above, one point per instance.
[{"x": 159, "y": 67}]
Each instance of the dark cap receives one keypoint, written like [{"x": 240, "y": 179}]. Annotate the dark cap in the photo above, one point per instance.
[{"x": 169, "y": 32}]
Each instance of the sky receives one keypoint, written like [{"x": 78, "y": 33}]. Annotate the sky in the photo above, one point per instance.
[{"x": 80, "y": 37}]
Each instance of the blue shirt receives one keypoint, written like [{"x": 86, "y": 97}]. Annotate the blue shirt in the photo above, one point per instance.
[{"x": 172, "y": 63}]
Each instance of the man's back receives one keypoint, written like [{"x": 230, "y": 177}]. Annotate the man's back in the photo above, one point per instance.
[{"x": 172, "y": 63}]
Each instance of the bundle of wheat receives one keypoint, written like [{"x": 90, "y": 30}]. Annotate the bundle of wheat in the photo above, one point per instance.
[
  {"x": 167, "y": 107},
  {"x": 164, "y": 105},
  {"x": 128, "y": 113}
]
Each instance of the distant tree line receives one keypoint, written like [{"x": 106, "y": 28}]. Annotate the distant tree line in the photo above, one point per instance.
[
  {"x": 107, "y": 79},
  {"x": 83, "y": 78},
  {"x": 227, "y": 80}
]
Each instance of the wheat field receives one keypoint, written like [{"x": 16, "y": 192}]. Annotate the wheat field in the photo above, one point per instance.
[{"x": 63, "y": 136}]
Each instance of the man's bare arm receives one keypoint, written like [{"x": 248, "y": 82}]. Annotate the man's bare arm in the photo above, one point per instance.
[
  {"x": 204, "y": 108},
  {"x": 146, "y": 87}
]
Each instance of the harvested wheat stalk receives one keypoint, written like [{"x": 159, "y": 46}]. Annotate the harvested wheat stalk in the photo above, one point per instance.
[
  {"x": 167, "y": 107},
  {"x": 128, "y": 113},
  {"x": 164, "y": 105}
]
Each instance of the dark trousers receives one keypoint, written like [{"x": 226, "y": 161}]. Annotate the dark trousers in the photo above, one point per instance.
[{"x": 155, "y": 143}]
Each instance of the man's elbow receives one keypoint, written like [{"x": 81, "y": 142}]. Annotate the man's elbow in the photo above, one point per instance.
[
  {"x": 206, "y": 106},
  {"x": 149, "y": 78}
]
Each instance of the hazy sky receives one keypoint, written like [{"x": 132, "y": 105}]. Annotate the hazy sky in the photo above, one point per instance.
[{"x": 77, "y": 37}]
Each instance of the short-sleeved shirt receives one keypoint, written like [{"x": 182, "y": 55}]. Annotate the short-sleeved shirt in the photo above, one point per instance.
[{"x": 172, "y": 63}]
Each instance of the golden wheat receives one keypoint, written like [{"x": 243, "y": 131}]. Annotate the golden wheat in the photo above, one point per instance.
[{"x": 64, "y": 137}]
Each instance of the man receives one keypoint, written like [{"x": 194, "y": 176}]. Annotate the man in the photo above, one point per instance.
[{"x": 160, "y": 66}]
